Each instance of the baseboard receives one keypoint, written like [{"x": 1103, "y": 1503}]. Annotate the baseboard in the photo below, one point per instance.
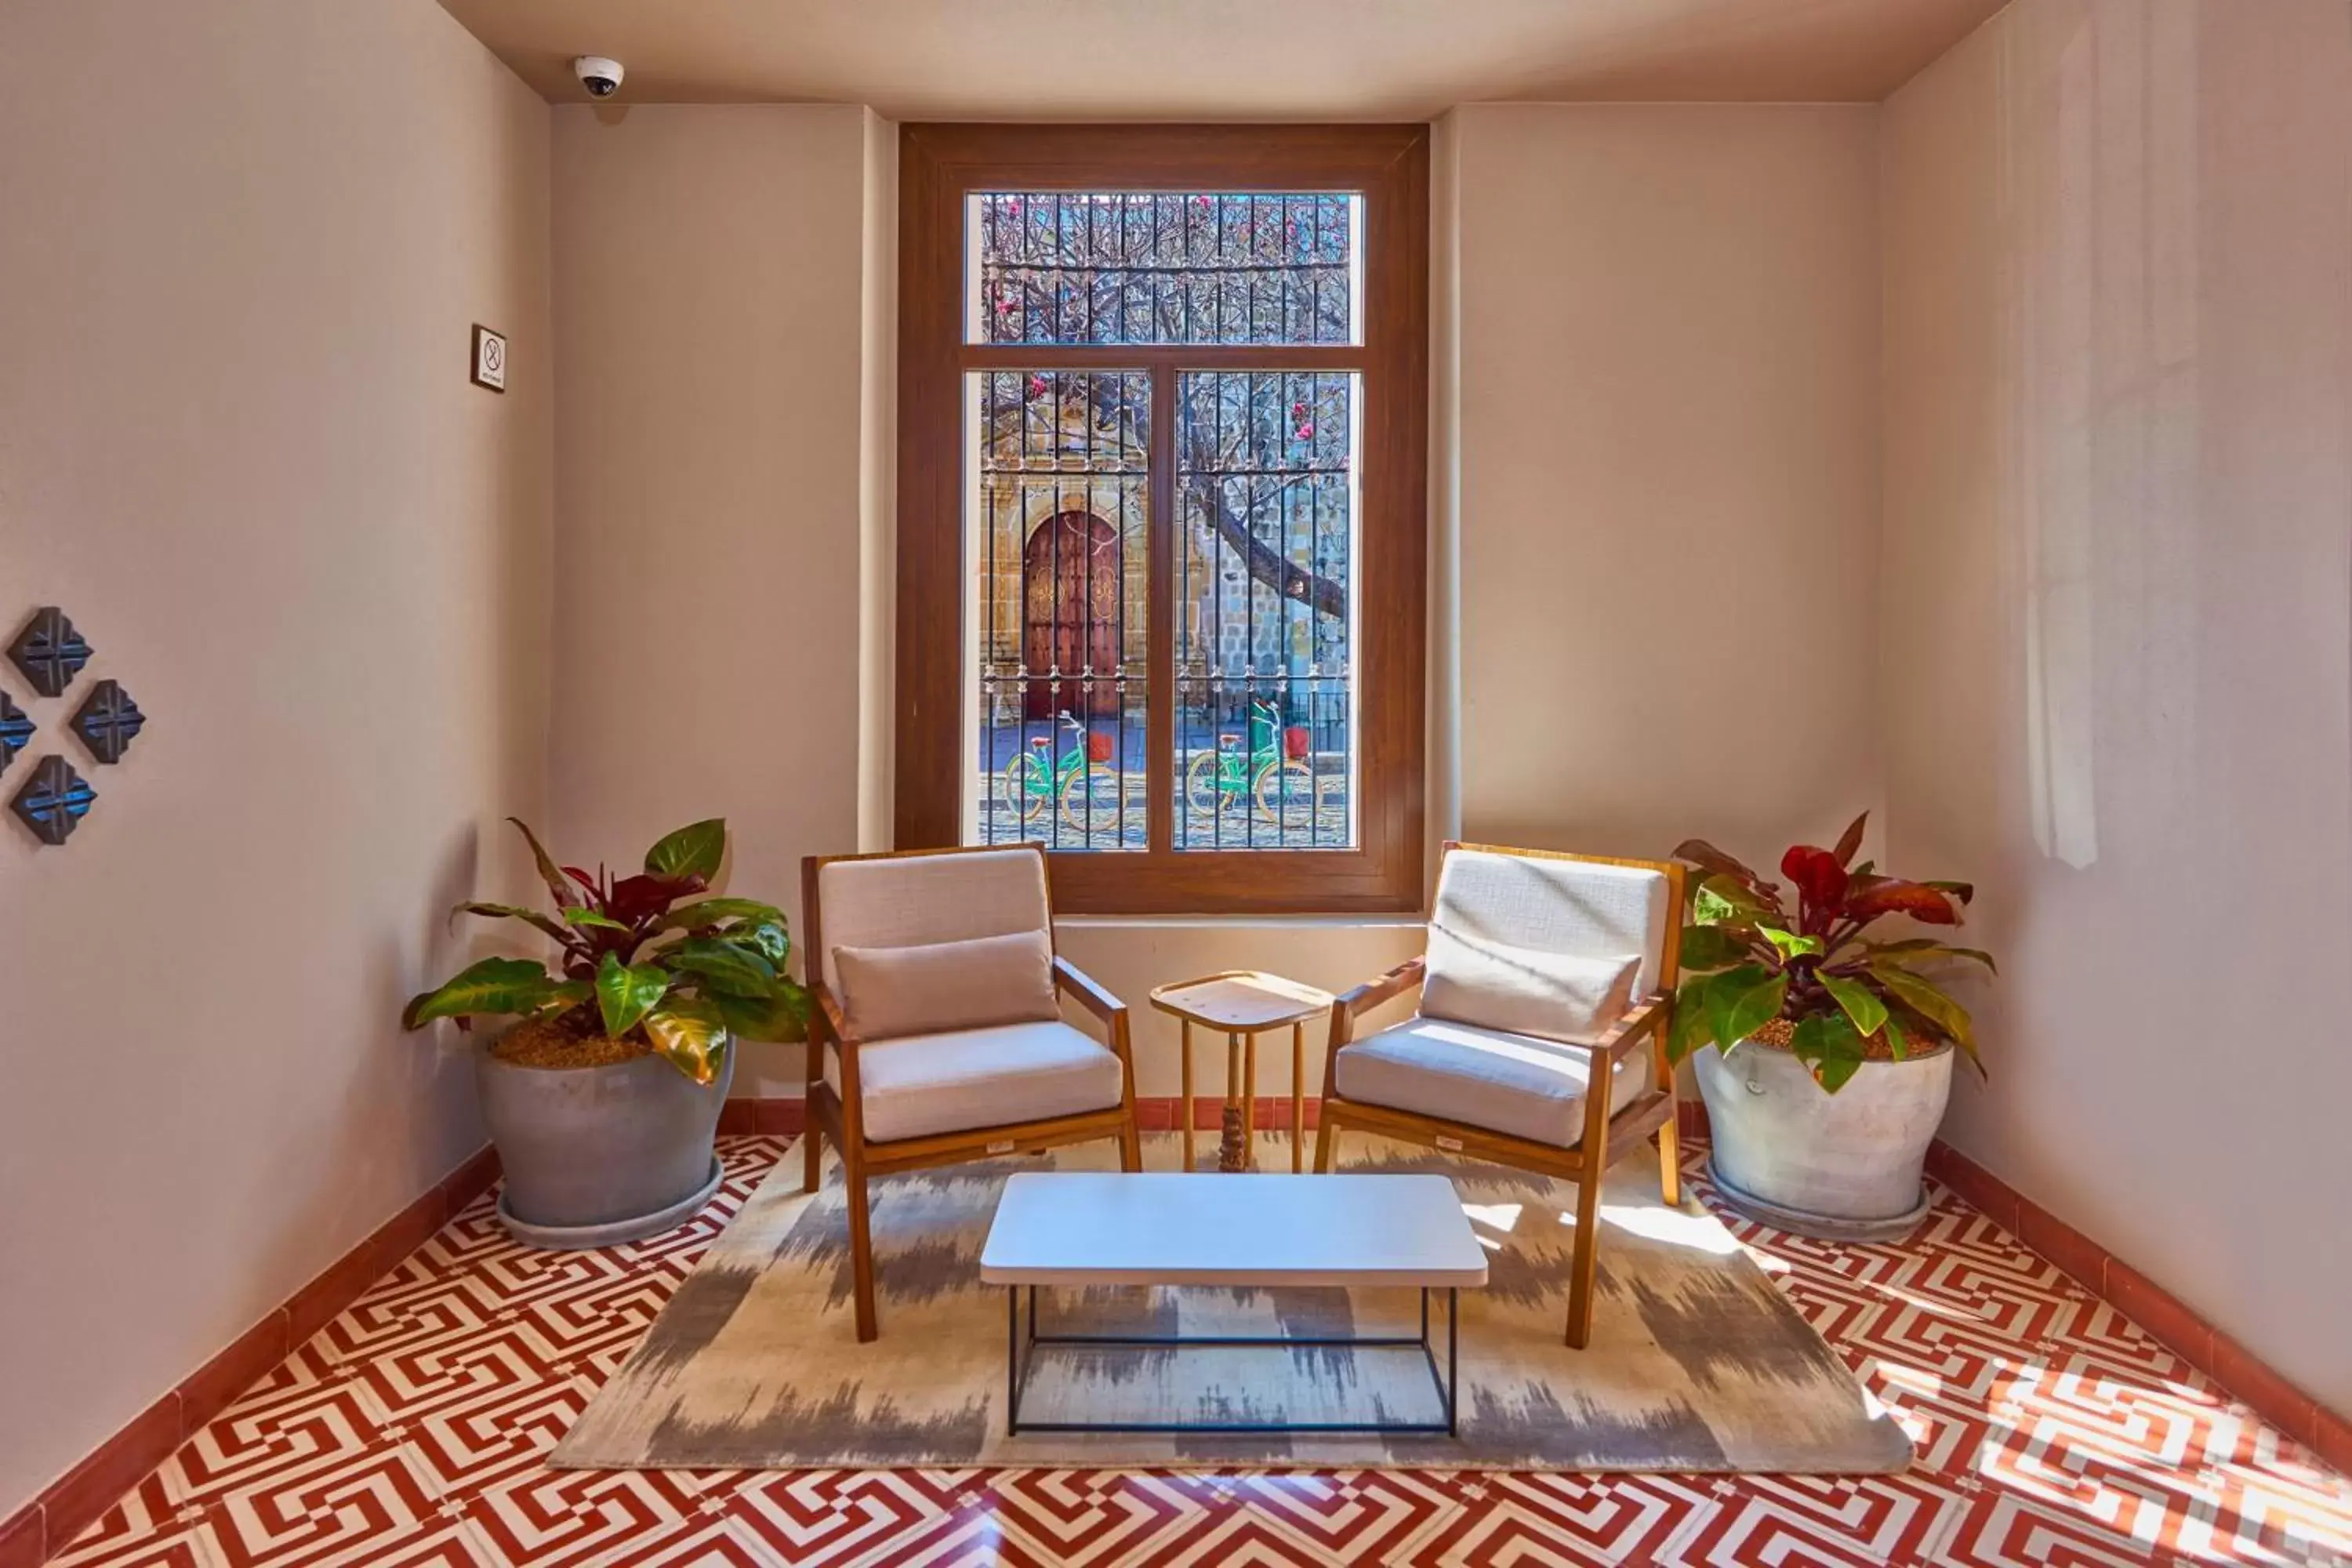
[{"x": 82, "y": 1494}]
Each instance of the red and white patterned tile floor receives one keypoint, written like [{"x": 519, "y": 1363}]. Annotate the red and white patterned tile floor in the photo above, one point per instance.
[{"x": 2049, "y": 1429}]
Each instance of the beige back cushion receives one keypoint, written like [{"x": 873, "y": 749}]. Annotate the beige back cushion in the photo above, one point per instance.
[
  {"x": 1513, "y": 932},
  {"x": 923, "y": 899},
  {"x": 887, "y": 992}
]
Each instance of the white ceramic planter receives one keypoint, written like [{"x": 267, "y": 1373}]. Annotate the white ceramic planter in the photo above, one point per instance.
[{"x": 1844, "y": 1166}]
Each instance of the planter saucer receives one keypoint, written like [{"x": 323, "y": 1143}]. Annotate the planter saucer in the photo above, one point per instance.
[
  {"x": 581, "y": 1237},
  {"x": 1825, "y": 1228}
]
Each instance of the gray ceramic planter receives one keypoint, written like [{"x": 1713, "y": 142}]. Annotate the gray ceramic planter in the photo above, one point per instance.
[
  {"x": 1845, "y": 1166},
  {"x": 595, "y": 1156}
]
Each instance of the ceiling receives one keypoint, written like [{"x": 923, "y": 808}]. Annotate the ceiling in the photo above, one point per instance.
[{"x": 1225, "y": 59}]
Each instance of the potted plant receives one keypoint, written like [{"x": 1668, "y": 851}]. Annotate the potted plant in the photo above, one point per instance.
[
  {"x": 1833, "y": 1047},
  {"x": 604, "y": 1097}
]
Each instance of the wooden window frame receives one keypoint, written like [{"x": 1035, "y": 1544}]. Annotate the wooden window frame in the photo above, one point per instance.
[{"x": 939, "y": 166}]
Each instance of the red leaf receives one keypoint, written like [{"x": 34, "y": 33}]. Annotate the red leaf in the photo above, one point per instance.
[
  {"x": 1850, "y": 841},
  {"x": 639, "y": 898},
  {"x": 1820, "y": 878},
  {"x": 1892, "y": 895},
  {"x": 1707, "y": 856}
]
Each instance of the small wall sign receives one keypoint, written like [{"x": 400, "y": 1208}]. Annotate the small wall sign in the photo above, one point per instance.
[{"x": 489, "y": 358}]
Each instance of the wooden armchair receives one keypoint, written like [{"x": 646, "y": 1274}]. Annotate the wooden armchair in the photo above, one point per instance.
[
  {"x": 945, "y": 1044},
  {"x": 1544, "y": 973}
]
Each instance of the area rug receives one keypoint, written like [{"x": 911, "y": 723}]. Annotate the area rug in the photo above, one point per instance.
[{"x": 1696, "y": 1362}]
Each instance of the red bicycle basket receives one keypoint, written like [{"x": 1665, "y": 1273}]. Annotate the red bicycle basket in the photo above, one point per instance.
[
  {"x": 1294, "y": 743},
  {"x": 1098, "y": 747}
]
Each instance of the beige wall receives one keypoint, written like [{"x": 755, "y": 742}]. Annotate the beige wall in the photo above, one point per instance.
[
  {"x": 710, "y": 487},
  {"x": 244, "y": 244},
  {"x": 2118, "y": 652},
  {"x": 1668, "y": 386}
]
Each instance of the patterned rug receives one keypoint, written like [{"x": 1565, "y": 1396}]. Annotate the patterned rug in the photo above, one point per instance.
[{"x": 1696, "y": 1362}]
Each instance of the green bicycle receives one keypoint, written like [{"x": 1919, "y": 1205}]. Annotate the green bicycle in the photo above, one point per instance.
[
  {"x": 1282, "y": 787},
  {"x": 1083, "y": 780}
]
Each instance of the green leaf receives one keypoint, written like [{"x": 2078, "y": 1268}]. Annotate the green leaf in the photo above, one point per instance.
[
  {"x": 692, "y": 1034},
  {"x": 493, "y": 985},
  {"x": 1859, "y": 1002},
  {"x": 1827, "y": 1043},
  {"x": 1728, "y": 893},
  {"x": 1898, "y": 1039},
  {"x": 1742, "y": 1001},
  {"x": 581, "y": 916},
  {"x": 559, "y": 885},
  {"x": 1689, "y": 1031},
  {"x": 531, "y": 918},
  {"x": 766, "y": 938},
  {"x": 1930, "y": 1003},
  {"x": 1712, "y": 947},
  {"x": 626, "y": 992},
  {"x": 694, "y": 851},
  {"x": 1790, "y": 944},
  {"x": 1928, "y": 947},
  {"x": 712, "y": 912},
  {"x": 725, "y": 966},
  {"x": 782, "y": 1016}
]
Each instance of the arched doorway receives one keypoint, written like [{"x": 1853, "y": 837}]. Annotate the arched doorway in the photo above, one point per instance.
[{"x": 1070, "y": 616}]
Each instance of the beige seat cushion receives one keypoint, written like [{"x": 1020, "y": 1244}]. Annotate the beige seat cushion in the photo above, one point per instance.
[
  {"x": 911, "y": 900},
  {"x": 1526, "y": 990},
  {"x": 887, "y": 992},
  {"x": 1485, "y": 901},
  {"x": 1484, "y": 1078},
  {"x": 972, "y": 1078}
]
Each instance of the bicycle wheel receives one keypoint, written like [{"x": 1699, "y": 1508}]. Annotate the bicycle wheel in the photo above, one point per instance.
[
  {"x": 1028, "y": 786},
  {"x": 1204, "y": 790},
  {"x": 1090, "y": 801},
  {"x": 1286, "y": 794}
]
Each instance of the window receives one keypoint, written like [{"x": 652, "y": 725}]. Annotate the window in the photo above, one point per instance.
[{"x": 1162, "y": 422}]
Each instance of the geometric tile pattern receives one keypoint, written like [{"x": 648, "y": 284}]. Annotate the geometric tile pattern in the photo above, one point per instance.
[
  {"x": 16, "y": 731},
  {"x": 53, "y": 800},
  {"x": 108, "y": 721},
  {"x": 2048, "y": 1428},
  {"x": 49, "y": 651}
]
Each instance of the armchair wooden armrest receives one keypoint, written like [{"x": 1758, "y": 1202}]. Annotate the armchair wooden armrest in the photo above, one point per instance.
[
  {"x": 1404, "y": 977},
  {"x": 826, "y": 1022},
  {"x": 1626, "y": 1033},
  {"x": 1083, "y": 989}
]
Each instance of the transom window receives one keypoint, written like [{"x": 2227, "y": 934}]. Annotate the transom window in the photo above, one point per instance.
[{"x": 1140, "y": 485}]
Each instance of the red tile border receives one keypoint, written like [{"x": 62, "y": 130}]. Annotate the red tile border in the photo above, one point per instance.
[
  {"x": 1984, "y": 1192},
  {"x": 2281, "y": 1403},
  {"x": 247, "y": 1361},
  {"x": 2169, "y": 1318},
  {"x": 21, "y": 1541},
  {"x": 2334, "y": 1440},
  {"x": 122, "y": 1462},
  {"x": 2063, "y": 1245},
  {"x": 91, "y": 1488}
]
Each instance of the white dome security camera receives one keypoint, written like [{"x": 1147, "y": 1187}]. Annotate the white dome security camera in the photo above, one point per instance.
[{"x": 600, "y": 76}]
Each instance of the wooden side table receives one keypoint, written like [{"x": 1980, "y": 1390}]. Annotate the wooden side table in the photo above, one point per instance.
[{"x": 1242, "y": 1005}]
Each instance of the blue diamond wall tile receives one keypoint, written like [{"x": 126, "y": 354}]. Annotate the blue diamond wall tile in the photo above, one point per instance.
[
  {"x": 16, "y": 730},
  {"x": 53, "y": 800},
  {"x": 49, "y": 651},
  {"x": 108, "y": 720}
]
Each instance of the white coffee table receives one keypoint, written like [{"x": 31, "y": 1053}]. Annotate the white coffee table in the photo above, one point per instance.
[{"x": 1083, "y": 1228}]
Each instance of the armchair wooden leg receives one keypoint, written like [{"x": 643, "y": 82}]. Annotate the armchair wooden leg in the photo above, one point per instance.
[
  {"x": 1130, "y": 1147},
  {"x": 1584, "y": 1265},
  {"x": 1670, "y": 1159},
  {"x": 812, "y": 1154},
  {"x": 1327, "y": 1143},
  {"x": 861, "y": 1250}
]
